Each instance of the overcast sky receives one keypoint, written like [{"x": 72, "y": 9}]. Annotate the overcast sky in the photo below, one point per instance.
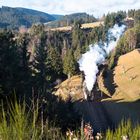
[{"x": 94, "y": 7}]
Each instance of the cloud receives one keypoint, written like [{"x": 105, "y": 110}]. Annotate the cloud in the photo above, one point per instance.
[{"x": 95, "y": 7}]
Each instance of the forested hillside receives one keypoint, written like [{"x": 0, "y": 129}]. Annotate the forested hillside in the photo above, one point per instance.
[
  {"x": 13, "y": 18},
  {"x": 68, "y": 20}
]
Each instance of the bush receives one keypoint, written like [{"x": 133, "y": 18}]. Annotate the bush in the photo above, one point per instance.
[{"x": 18, "y": 124}]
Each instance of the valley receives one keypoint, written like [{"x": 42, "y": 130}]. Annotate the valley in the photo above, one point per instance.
[{"x": 69, "y": 75}]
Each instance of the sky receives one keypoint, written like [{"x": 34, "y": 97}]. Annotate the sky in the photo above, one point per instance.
[{"x": 93, "y": 7}]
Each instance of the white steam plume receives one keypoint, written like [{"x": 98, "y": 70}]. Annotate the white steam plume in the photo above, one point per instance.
[{"x": 96, "y": 55}]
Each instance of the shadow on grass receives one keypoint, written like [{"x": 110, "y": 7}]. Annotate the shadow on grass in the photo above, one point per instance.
[
  {"x": 93, "y": 112},
  {"x": 109, "y": 83},
  {"x": 118, "y": 110},
  {"x": 108, "y": 114}
]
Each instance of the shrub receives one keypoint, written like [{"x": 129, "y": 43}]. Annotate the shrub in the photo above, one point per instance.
[
  {"x": 124, "y": 129},
  {"x": 16, "y": 123}
]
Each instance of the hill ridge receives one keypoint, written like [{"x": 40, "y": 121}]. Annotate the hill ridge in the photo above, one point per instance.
[{"x": 14, "y": 17}]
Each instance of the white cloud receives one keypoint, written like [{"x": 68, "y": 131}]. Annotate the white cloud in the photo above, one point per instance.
[{"x": 95, "y": 7}]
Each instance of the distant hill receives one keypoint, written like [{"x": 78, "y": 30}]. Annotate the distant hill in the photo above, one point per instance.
[
  {"x": 16, "y": 17},
  {"x": 13, "y": 18},
  {"x": 68, "y": 20},
  {"x": 57, "y": 17}
]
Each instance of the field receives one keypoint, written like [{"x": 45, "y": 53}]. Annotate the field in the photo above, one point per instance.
[
  {"x": 92, "y": 25},
  {"x": 67, "y": 28},
  {"x": 84, "y": 26}
]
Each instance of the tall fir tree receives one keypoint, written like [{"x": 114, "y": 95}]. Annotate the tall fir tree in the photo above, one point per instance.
[
  {"x": 40, "y": 66},
  {"x": 69, "y": 64},
  {"x": 9, "y": 62},
  {"x": 56, "y": 61},
  {"x": 25, "y": 83}
]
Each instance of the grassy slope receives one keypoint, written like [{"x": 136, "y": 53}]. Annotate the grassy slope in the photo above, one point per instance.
[
  {"x": 124, "y": 81},
  {"x": 70, "y": 88},
  {"x": 123, "y": 103},
  {"x": 127, "y": 76}
]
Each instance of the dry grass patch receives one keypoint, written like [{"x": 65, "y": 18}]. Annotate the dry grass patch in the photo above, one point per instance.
[
  {"x": 92, "y": 25},
  {"x": 70, "y": 88},
  {"x": 127, "y": 76},
  {"x": 84, "y": 26}
]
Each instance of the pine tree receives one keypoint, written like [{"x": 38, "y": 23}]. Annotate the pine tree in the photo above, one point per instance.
[
  {"x": 137, "y": 17},
  {"x": 41, "y": 65},
  {"x": 25, "y": 71},
  {"x": 76, "y": 35},
  {"x": 78, "y": 53},
  {"x": 9, "y": 62},
  {"x": 69, "y": 64},
  {"x": 56, "y": 62}
]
